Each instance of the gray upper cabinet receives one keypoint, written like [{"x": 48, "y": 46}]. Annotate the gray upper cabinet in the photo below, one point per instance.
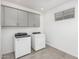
[
  {"x": 15, "y": 17},
  {"x": 37, "y": 20},
  {"x": 22, "y": 18},
  {"x": 30, "y": 19},
  {"x": 2, "y": 16},
  {"x": 10, "y": 16},
  {"x": 33, "y": 20}
]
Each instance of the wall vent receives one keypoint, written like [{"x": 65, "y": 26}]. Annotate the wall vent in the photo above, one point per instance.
[{"x": 66, "y": 14}]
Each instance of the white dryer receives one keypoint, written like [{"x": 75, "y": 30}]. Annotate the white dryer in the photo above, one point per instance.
[{"x": 38, "y": 41}]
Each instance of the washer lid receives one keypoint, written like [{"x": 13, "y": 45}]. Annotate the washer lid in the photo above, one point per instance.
[
  {"x": 21, "y": 35},
  {"x": 36, "y": 32}
]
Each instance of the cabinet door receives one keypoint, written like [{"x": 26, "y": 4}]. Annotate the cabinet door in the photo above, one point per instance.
[
  {"x": 10, "y": 16},
  {"x": 33, "y": 20},
  {"x": 22, "y": 18},
  {"x": 36, "y": 20},
  {"x": 2, "y": 16},
  {"x": 30, "y": 19}
]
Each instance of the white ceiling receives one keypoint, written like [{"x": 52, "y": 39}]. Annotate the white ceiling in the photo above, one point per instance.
[{"x": 38, "y": 4}]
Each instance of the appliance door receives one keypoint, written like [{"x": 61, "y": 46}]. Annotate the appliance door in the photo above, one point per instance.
[
  {"x": 39, "y": 41},
  {"x": 22, "y": 46}
]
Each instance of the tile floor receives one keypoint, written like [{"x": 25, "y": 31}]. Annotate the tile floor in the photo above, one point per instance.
[{"x": 46, "y": 53}]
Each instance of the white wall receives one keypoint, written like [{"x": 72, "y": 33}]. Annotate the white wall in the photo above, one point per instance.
[
  {"x": 0, "y": 44},
  {"x": 0, "y": 31},
  {"x": 62, "y": 34},
  {"x": 8, "y": 32}
]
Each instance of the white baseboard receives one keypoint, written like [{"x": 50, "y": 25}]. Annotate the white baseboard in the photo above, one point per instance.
[{"x": 52, "y": 45}]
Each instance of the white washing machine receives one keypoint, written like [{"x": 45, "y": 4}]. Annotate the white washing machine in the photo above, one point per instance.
[
  {"x": 38, "y": 41},
  {"x": 22, "y": 44}
]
